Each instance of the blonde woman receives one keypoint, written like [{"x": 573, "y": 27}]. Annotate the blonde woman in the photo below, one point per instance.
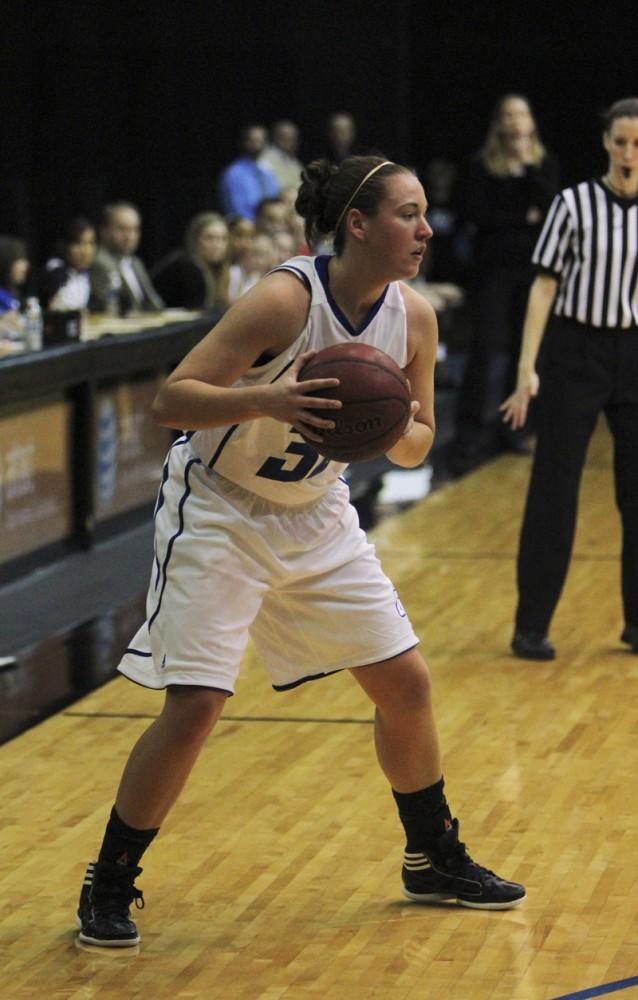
[
  {"x": 510, "y": 185},
  {"x": 196, "y": 277}
]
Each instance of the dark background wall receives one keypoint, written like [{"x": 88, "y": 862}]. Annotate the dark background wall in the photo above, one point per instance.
[{"x": 143, "y": 100}]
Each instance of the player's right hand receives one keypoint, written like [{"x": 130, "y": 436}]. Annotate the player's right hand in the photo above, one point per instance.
[{"x": 289, "y": 400}]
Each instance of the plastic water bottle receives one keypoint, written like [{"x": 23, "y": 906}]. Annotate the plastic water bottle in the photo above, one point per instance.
[
  {"x": 114, "y": 295},
  {"x": 33, "y": 325}
]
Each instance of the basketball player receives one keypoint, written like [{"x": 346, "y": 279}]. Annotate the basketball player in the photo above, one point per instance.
[{"x": 249, "y": 510}]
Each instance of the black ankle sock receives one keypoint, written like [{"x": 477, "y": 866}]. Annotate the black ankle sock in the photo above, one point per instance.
[
  {"x": 425, "y": 815},
  {"x": 123, "y": 845}
]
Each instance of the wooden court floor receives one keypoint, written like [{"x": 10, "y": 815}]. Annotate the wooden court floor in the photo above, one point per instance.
[{"x": 277, "y": 875}]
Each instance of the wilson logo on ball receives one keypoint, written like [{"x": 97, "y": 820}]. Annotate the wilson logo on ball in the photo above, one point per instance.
[
  {"x": 365, "y": 426},
  {"x": 375, "y": 399}
]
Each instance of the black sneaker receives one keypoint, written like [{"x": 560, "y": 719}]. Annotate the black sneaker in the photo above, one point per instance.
[
  {"x": 103, "y": 912},
  {"x": 449, "y": 873},
  {"x": 630, "y": 636},
  {"x": 532, "y": 646}
]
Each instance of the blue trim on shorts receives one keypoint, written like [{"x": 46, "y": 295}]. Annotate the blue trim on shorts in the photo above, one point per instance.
[
  {"x": 302, "y": 680},
  {"x": 160, "y": 495},
  {"x": 328, "y": 673},
  {"x": 204, "y": 687},
  {"x": 184, "y": 439},
  {"x": 136, "y": 652},
  {"x": 174, "y": 537}
]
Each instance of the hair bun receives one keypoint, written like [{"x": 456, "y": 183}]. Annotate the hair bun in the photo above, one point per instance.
[{"x": 313, "y": 196}]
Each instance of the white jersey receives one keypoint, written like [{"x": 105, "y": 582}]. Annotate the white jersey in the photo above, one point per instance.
[{"x": 270, "y": 458}]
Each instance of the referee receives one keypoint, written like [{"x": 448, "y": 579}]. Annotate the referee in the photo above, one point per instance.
[{"x": 587, "y": 279}]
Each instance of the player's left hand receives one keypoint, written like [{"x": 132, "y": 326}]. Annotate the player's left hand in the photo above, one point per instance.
[{"x": 415, "y": 406}]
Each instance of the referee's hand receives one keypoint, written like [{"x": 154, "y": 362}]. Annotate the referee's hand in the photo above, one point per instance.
[{"x": 515, "y": 407}]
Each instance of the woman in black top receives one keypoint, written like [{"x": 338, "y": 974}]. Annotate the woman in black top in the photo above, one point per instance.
[
  {"x": 587, "y": 261},
  {"x": 511, "y": 183},
  {"x": 196, "y": 277}
]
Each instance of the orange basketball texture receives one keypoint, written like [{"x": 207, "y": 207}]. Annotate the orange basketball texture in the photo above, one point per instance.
[{"x": 375, "y": 397}]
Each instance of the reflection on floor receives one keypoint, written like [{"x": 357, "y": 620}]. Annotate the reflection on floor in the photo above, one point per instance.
[{"x": 54, "y": 673}]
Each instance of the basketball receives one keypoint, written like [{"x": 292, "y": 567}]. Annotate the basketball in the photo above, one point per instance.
[{"x": 375, "y": 400}]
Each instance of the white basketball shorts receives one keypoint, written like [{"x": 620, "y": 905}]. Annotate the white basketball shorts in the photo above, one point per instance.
[{"x": 303, "y": 582}]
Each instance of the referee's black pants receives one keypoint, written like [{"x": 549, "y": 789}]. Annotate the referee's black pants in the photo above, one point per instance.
[{"x": 584, "y": 370}]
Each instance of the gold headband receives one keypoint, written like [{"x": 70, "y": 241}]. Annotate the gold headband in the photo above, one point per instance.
[{"x": 386, "y": 163}]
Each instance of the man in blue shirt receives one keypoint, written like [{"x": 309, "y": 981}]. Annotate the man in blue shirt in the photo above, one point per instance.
[{"x": 244, "y": 183}]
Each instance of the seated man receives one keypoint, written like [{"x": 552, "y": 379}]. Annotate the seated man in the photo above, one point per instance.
[{"x": 116, "y": 273}]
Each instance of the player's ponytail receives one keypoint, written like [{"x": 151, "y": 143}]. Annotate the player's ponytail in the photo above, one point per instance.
[{"x": 313, "y": 198}]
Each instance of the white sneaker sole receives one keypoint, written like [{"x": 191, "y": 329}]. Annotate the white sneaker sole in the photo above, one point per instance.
[
  {"x": 437, "y": 897},
  {"x": 98, "y": 942}
]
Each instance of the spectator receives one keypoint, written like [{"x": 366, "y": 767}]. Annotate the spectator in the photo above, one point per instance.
[
  {"x": 243, "y": 183},
  {"x": 14, "y": 268},
  {"x": 449, "y": 259},
  {"x": 64, "y": 283},
  {"x": 116, "y": 269},
  {"x": 262, "y": 254},
  {"x": 240, "y": 232},
  {"x": 341, "y": 134},
  {"x": 280, "y": 156},
  {"x": 289, "y": 196},
  {"x": 196, "y": 276},
  {"x": 257, "y": 261},
  {"x": 296, "y": 223},
  {"x": 284, "y": 247},
  {"x": 272, "y": 216},
  {"x": 511, "y": 183}
]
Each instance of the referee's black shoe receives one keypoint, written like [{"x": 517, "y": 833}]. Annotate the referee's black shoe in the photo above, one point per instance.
[
  {"x": 630, "y": 636},
  {"x": 448, "y": 872},
  {"x": 103, "y": 914},
  {"x": 532, "y": 646}
]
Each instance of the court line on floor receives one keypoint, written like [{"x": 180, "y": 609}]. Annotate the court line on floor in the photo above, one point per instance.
[
  {"x": 505, "y": 556},
  {"x": 599, "y": 991},
  {"x": 224, "y": 718}
]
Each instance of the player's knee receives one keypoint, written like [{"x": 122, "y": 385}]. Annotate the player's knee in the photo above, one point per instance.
[
  {"x": 407, "y": 688},
  {"x": 414, "y": 687},
  {"x": 191, "y": 713}
]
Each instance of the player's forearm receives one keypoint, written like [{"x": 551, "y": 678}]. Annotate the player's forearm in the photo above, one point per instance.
[
  {"x": 193, "y": 405},
  {"x": 411, "y": 450},
  {"x": 539, "y": 304}
]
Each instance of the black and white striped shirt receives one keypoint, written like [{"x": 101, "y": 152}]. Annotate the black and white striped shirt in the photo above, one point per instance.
[{"x": 589, "y": 242}]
